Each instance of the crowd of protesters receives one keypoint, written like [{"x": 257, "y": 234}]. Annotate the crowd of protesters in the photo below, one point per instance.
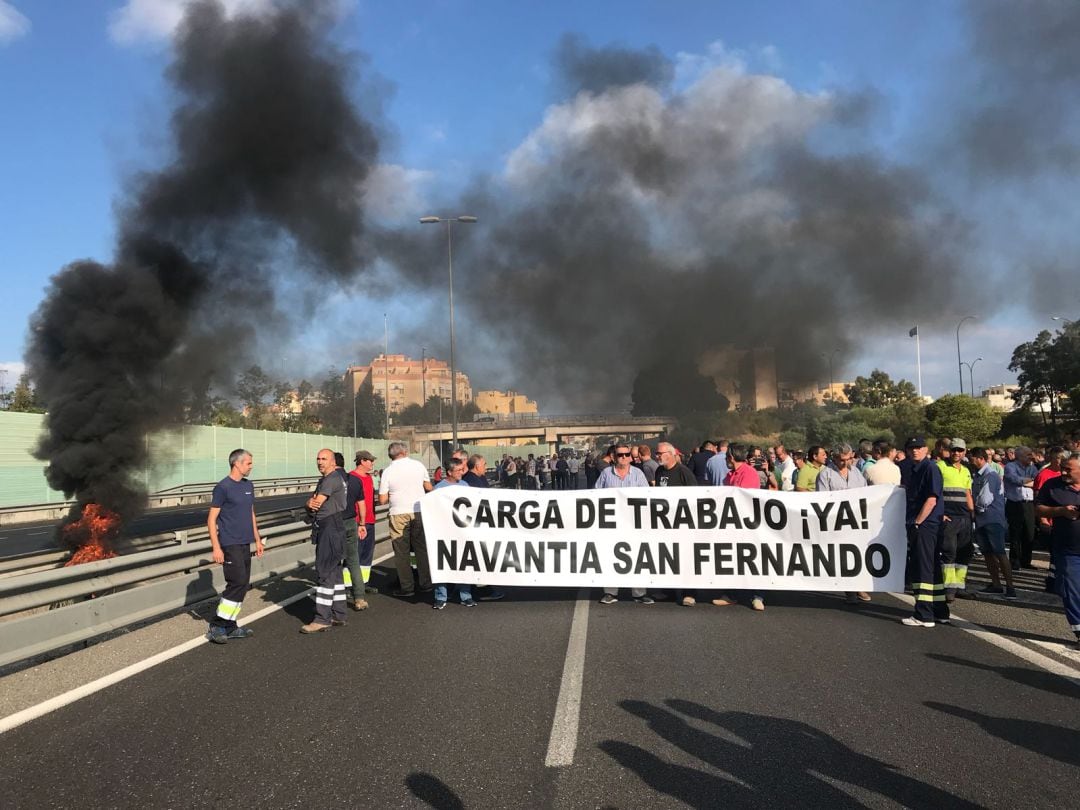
[{"x": 960, "y": 502}]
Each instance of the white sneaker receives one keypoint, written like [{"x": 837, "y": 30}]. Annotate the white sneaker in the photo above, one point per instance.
[
  {"x": 911, "y": 621},
  {"x": 689, "y": 601},
  {"x": 757, "y": 603}
]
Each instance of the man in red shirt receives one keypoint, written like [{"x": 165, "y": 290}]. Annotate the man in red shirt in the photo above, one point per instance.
[
  {"x": 742, "y": 475},
  {"x": 1056, "y": 456},
  {"x": 365, "y": 523}
]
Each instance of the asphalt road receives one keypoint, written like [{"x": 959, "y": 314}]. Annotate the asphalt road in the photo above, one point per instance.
[
  {"x": 811, "y": 703},
  {"x": 27, "y": 538}
]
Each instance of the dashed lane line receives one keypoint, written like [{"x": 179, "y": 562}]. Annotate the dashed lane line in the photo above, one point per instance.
[
  {"x": 564, "y": 728},
  {"x": 52, "y": 704}
]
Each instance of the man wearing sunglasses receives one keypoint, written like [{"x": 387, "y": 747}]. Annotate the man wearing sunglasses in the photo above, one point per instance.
[{"x": 622, "y": 474}]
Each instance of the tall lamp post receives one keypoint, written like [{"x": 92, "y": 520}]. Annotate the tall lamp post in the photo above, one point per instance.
[
  {"x": 959, "y": 367},
  {"x": 423, "y": 375},
  {"x": 971, "y": 375},
  {"x": 453, "y": 344},
  {"x": 832, "y": 382}
]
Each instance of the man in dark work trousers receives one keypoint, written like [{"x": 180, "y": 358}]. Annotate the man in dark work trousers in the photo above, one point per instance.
[
  {"x": 233, "y": 528},
  {"x": 328, "y": 534},
  {"x": 925, "y": 510}
]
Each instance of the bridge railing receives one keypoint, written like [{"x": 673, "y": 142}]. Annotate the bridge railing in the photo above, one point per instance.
[{"x": 533, "y": 420}]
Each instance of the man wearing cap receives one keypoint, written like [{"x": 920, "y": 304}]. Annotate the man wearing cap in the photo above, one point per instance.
[
  {"x": 365, "y": 527},
  {"x": 925, "y": 509},
  {"x": 956, "y": 545}
]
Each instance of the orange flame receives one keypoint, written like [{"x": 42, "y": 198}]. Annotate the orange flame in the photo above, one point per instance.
[{"x": 92, "y": 533}]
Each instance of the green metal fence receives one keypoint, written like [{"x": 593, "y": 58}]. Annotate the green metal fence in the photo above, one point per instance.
[{"x": 188, "y": 454}]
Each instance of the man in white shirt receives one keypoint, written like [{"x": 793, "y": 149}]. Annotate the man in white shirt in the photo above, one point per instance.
[
  {"x": 785, "y": 469},
  {"x": 883, "y": 470},
  {"x": 402, "y": 485}
]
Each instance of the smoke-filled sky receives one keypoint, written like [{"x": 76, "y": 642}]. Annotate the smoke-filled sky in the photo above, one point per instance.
[{"x": 651, "y": 179}]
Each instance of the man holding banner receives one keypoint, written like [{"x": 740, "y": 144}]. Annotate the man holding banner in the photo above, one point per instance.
[
  {"x": 741, "y": 475},
  {"x": 623, "y": 474}
]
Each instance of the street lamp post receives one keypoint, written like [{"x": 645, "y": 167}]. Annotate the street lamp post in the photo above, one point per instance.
[
  {"x": 423, "y": 375},
  {"x": 453, "y": 344},
  {"x": 959, "y": 367},
  {"x": 832, "y": 382},
  {"x": 971, "y": 375}
]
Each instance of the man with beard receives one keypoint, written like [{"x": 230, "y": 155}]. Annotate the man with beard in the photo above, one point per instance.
[{"x": 673, "y": 473}]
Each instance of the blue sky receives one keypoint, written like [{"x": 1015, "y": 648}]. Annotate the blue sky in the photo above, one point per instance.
[{"x": 83, "y": 104}]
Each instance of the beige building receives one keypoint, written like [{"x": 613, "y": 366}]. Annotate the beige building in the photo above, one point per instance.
[
  {"x": 791, "y": 393},
  {"x": 747, "y": 377},
  {"x": 402, "y": 381},
  {"x": 504, "y": 402},
  {"x": 999, "y": 397}
]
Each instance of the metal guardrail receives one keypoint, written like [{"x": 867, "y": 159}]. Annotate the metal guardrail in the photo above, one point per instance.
[
  {"x": 260, "y": 483},
  {"x": 47, "y": 610},
  {"x": 176, "y": 496}
]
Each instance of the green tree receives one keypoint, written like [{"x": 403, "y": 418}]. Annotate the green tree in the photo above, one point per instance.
[
  {"x": 962, "y": 416},
  {"x": 1047, "y": 368},
  {"x": 907, "y": 419},
  {"x": 255, "y": 387},
  {"x": 335, "y": 412},
  {"x": 879, "y": 391},
  {"x": 224, "y": 414},
  {"x": 24, "y": 397}
]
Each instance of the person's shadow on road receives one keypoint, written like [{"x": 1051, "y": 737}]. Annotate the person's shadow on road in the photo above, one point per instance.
[{"x": 764, "y": 762}]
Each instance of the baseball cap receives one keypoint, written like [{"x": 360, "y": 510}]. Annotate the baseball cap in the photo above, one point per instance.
[
  {"x": 915, "y": 441},
  {"x": 959, "y": 444}
]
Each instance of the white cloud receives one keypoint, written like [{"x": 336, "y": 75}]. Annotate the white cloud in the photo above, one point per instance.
[
  {"x": 10, "y": 371},
  {"x": 13, "y": 24},
  {"x": 157, "y": 19},
  {"x": 691, "y": 67}
]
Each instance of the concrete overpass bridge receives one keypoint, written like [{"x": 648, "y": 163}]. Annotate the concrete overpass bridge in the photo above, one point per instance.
[{"x": 552, "y": 431}]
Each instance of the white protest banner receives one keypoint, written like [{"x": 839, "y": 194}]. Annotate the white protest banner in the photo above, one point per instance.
[{"x": 692, "y": 537}]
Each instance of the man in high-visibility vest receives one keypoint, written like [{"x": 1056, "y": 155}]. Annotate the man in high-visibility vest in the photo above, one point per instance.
[{"x": 956, "y": 541}]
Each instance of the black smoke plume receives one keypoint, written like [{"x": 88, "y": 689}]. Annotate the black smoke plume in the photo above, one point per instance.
[
  {"x": 268, "y": 156},
  {"x": 639, "y": 224}
]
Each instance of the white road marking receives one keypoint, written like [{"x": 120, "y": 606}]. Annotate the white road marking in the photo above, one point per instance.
[
  {"x": 54, "y": 703},
  {"x": 564, "y": 728},
  {"x": 1019, "y": 650}
]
